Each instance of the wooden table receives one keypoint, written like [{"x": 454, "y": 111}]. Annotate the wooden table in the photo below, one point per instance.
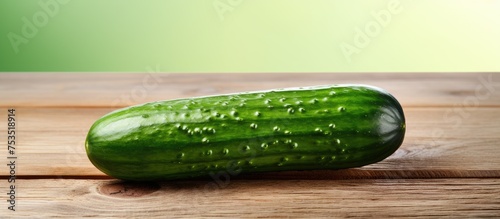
[{"x": 448, "y": 165}]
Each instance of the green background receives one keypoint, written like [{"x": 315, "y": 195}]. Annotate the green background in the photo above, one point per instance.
[{"x": 250, "y": 35}]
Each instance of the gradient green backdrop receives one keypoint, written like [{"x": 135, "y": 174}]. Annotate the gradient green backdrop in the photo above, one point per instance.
[{"x": 250, "y": 35}]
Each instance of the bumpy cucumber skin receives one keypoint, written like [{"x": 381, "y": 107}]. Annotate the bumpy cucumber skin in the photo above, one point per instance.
[{"x": 322, "y": 127}]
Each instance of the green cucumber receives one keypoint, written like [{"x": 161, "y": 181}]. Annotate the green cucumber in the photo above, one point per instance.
[{"x": 321, "y": 127}]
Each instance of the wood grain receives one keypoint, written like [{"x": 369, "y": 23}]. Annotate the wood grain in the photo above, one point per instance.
[
  {"x": 117, "y": 90},
  {"x": 432, "y": 198},
  {"x": 448, "y": 165},
  {"x": 51, "y": 143}
]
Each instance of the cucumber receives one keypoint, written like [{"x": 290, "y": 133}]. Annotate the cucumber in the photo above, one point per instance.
[{"x": 319, "y": 127}]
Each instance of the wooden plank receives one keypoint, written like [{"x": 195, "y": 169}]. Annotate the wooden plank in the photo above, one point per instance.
[
  {"x": 432, "y": 198},
  {"x": 116, "y": 90},
  {"x": 51, "y": 144}
]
